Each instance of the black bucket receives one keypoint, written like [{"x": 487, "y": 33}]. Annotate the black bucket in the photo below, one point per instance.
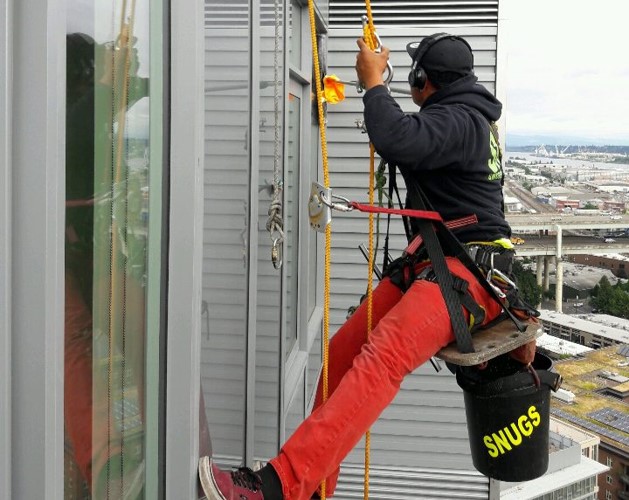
[{"x": 508, "y": 416}]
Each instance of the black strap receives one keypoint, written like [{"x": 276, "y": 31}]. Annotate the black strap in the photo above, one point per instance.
[
  {"x": 393, "y": 188},
  {"x": 474, "y": 308},
  {"x": 459, "y": 252},
  {"x": 438, "y": 239},
  {"x": 446, "y": 285},
  {"x": 442, "y": 273}
]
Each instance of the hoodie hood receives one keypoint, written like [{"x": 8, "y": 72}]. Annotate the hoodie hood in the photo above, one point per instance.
[{"x": 467, "y": 91}]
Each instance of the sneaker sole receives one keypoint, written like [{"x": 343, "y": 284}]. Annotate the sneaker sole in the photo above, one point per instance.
[{"x": 207, "y": 480}]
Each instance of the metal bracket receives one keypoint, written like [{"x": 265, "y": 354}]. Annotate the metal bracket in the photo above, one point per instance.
[{"x": 319, "y": 211}]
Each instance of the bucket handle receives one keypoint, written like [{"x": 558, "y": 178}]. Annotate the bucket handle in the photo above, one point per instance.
[{"x": 519, "y": 380}]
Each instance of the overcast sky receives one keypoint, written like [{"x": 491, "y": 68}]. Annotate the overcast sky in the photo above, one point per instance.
[{"x": 568, "y": 68}]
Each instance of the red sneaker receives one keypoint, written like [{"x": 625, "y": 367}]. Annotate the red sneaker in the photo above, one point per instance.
[{"x": 240, "y": 484}]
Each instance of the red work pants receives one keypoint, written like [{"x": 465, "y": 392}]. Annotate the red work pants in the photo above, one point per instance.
[{"x": 364, "y": 376}]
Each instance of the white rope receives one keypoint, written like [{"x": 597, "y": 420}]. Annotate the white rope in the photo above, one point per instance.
[{"x": 275, "y": 222}]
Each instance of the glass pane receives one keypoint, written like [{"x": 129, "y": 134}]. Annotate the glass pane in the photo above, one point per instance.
[
  {"x": 292, "y": 219},
  {"x": 107, "y": 193},
  {"x": 314, "y": 366},
  {"x": 313, "y": 265},
  {"x": 296, "y": 411}
]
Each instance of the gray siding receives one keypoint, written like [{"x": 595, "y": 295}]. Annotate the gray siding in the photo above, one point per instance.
[
  {"x": 397, "y": 483},
  {"x": 226, "y": 245}
]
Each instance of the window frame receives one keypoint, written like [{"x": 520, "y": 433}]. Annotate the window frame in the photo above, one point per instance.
[
  {"x": 5, "y": 244},
  {"x": 185, "y": 240},
  {"x": 309, "y": 319}
]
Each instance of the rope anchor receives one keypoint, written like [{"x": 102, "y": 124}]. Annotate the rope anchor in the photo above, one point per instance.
[{"x": 320, "y": 206}]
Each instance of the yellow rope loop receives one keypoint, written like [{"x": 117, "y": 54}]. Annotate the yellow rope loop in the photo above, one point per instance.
[
  {"x": 372, "y": 162},
  {"x": 328, "y": 229}
]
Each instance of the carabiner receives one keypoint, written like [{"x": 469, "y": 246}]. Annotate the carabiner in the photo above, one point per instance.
[
  {"x": 276, "y": 253},
  {"x": 345, "y": 206},
  {"x": 377, "y": 49}
]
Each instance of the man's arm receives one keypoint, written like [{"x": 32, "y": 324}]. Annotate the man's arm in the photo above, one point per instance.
[{"x": 428, "y": 140}]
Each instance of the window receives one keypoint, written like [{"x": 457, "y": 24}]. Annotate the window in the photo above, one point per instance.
[
  {"x": 292, "y": 189},
  {"x": 109, "y": 170},
  {"x": 609, "y": 479},
  {"x": 609, "y": 461},
  {"x": 609, "y": 495}
]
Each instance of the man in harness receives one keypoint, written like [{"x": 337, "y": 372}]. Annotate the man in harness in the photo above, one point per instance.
[{"x": 448, "y": 153}]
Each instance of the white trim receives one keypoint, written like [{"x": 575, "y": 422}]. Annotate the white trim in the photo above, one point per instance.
[
  {"x": 37, "y": 239},
  {"x": 183, "y": 349},
  {"x": 252, "y": 224},
  {"x": 5, "y": 248},
  {"x": 155, "y": 371}
]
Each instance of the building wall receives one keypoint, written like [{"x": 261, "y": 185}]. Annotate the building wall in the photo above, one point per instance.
[
  {"x": 615, "y": 481},
  {"x": 619, "y": 267},
  {"x": 576, "y": 335}
]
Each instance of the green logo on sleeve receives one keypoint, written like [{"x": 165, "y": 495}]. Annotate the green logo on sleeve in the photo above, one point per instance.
[{"x": 494, "y": 160}]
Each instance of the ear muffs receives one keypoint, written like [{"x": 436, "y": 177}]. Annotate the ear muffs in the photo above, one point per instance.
[{"x": 417, "y": 75}]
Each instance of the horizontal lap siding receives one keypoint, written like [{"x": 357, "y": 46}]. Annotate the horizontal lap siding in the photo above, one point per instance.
[{"x": 226, "y": 185}]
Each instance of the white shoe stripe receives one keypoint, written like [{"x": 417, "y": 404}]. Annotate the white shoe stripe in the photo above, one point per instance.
[{"x": 207, "y": 480}]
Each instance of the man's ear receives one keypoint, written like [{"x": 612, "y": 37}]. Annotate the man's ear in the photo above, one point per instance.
[{"x": 429, "y": 86}]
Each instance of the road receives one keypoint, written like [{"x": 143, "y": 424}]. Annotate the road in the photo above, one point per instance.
[
  {"x": 547, "y": 245},
  {"x": 527, "y": 198}
]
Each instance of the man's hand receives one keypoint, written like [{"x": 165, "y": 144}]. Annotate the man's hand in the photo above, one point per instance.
[{"x": 370, "y": 65}]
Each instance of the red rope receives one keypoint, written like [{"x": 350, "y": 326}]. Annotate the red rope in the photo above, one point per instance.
[{"x": 421, "y": 214}]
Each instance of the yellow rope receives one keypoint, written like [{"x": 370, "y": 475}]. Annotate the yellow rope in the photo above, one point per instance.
[
  {"x": 328, "y": 229},
  {"x": 369, "y": 35},
  {"x": 372, "y": 153},
  {"x": 370, "y": 38}
]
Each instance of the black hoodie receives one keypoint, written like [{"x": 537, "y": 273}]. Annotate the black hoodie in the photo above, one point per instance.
[{"x": 446, "y": 148}]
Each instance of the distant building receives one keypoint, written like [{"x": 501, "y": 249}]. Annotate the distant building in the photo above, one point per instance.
[
  {"x": 617, "y": 263},
  {"x": 600, "y": 383},
  {"x": 618, "y": 206},
  {"x": 557, "y": 348},
  {"x": 561, "y": 204},
  {"x": 583, "y": 331},
  {"x": 512, "y": 204},
  {"x": 572, "y": 468}
]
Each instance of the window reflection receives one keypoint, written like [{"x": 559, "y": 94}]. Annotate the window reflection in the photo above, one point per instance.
[{"x": 107, "y": 167}]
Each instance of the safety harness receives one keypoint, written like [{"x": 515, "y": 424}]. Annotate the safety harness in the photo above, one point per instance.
[{"x": 490, "y": 264}]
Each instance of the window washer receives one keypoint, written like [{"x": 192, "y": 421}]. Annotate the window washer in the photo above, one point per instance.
[{"x": 448, "y": 150}]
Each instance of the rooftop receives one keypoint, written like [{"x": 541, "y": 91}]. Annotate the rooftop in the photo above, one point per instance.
[
  {"x": 589, "y": 378},
  {"x": 561, "y": 347},
  {"x": 617, "y": 332}
]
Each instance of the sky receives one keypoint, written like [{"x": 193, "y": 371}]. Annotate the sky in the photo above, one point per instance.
[{"x": 567, "y": 68}]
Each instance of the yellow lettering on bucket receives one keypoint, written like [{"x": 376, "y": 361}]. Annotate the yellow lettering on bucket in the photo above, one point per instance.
[{"x": 511, "y": 435}]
